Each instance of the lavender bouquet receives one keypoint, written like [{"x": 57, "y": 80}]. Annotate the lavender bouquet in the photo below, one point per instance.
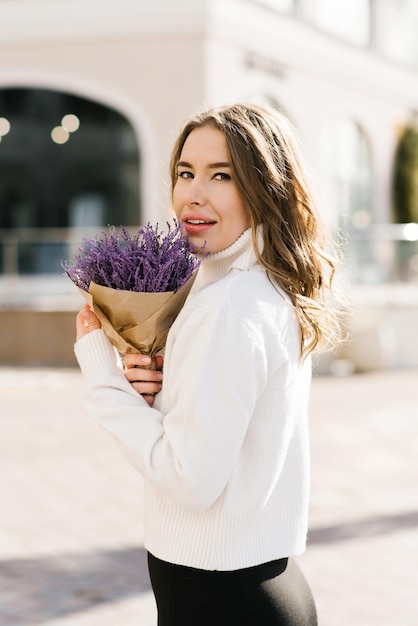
[{"x": 136, "y": 284}]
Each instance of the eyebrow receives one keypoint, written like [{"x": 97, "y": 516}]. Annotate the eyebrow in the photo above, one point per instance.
[{"x": 211, "y": 165}]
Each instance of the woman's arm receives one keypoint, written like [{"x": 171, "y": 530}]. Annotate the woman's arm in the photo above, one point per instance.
[{"x": 189, "y": 448}]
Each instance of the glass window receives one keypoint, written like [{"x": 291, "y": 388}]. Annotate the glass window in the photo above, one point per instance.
[
  {"x": 350, "y": 174},
  {"x": 348, "y": 19},
  {"x": 65, "y": 162},
  {"x": 350, "y": 193}
]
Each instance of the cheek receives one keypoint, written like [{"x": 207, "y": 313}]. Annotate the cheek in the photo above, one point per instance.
[
  {"x": 242, "y": 213},
  {"x": 175, "y": 201}
]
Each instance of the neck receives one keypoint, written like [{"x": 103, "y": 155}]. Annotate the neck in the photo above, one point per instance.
[{"x": 239, "y": 255}]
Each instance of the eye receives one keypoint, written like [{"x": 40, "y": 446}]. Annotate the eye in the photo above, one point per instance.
[
  {"x": 221, "y": 176},
  {"x": 184, "y": 174}
]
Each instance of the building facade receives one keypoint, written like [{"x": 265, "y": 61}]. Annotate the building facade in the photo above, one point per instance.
[{"x": 94, "y": 92}]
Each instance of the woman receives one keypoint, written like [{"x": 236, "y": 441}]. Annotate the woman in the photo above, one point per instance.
[{"x": 223, "y": 448}]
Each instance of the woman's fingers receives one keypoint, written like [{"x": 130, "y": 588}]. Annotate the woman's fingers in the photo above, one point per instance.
[
  {"x": 145, "y": 380},
  {"x": 136, "y": 360},
  {"x": 86, "y": 322},
  {"x": 159, "y": 362},
  {"x": 143, "y": 360}
]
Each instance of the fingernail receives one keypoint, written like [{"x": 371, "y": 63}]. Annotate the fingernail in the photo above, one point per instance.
[{"x": 146, "y": 360}]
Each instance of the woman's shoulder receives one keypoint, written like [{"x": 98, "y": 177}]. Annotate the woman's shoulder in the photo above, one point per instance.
[
  {"x": 253, "y": 295},
  {"x": 248, "y": 295},
  {"x": 247, "y": 306}
]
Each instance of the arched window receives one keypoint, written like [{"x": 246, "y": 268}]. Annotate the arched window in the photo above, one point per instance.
[
  {"x": 65, "y": 162},
  {"x": 349, "y": 182}
]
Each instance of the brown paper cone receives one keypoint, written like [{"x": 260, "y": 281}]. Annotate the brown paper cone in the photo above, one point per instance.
[{"x": 136, "y": 322}]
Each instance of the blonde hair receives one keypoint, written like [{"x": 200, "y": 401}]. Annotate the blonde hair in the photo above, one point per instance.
[{"x": 267, "y": 168}]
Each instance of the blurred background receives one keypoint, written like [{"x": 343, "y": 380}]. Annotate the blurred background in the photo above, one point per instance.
[
  {"x": 92, "y": 96},
  {"x": 94, "y": 92}
]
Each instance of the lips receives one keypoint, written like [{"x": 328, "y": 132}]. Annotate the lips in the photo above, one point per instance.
[{"x": 195, "y": 224}]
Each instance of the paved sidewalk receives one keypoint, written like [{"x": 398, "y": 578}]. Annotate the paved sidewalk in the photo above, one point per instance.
[{"x": 71, "y": 551}]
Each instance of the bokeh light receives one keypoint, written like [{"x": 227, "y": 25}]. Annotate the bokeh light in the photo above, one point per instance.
[
  {"x": 4, "y": 126},
  {"x": 60, "y": 135},
  {"x": 70, "y": 122}
]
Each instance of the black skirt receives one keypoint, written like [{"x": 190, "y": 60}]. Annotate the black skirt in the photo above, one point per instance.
[{"x": 272, "y": 594}]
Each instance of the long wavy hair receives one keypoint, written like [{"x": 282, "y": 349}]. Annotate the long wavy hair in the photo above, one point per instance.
[{"x": 267, "y": 167}]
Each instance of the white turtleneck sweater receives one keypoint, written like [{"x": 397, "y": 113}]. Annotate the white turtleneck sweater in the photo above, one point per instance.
[{"x": 224, "y": 451}]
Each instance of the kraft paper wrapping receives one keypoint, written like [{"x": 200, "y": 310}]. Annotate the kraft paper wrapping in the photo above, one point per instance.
[{"x": 136, "y": 322}]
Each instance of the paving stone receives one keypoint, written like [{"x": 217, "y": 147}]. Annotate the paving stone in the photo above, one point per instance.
[{"x": 71, "y": 537}]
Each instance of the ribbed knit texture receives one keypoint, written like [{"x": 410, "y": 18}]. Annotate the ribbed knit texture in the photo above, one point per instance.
[{"x": 224, "y": 452}]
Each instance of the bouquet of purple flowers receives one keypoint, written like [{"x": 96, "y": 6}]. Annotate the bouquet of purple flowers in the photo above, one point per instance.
[{"x": 136, "y": 284}]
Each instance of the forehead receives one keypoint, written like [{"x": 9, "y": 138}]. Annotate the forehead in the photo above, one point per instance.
[{"x": 205, "y": 142}]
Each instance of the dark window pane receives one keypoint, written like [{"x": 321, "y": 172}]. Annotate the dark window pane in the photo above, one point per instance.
[
  {"x": 41, "y": 258},
  {"x": 90, "y": 179}
]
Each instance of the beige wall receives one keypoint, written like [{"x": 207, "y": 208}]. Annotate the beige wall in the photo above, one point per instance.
[{"x": 37, "y": 338}]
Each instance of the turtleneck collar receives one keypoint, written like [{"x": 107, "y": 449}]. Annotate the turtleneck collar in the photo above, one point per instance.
[{"x": 239, "y": 255}]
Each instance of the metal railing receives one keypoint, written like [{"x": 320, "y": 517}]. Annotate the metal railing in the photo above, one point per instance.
[
  {"x": 383, "y": 254},
  {"x": 31, "y": 275},
  {"x": 32, "y": 251}
]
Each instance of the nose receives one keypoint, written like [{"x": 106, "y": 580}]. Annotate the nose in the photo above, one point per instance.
[{"x": 195, "y": 192}]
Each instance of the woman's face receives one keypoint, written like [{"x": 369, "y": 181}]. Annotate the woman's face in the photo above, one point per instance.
[{"x": 206, "y": 200}]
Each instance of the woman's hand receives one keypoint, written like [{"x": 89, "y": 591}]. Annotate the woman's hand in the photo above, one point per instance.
[
  {"x": 147, "y": 382},
  {"x": 86, "y": 322}
]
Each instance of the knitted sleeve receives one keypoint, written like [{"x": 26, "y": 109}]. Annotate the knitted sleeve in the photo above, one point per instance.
[{"x": 214, "y": 371}]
